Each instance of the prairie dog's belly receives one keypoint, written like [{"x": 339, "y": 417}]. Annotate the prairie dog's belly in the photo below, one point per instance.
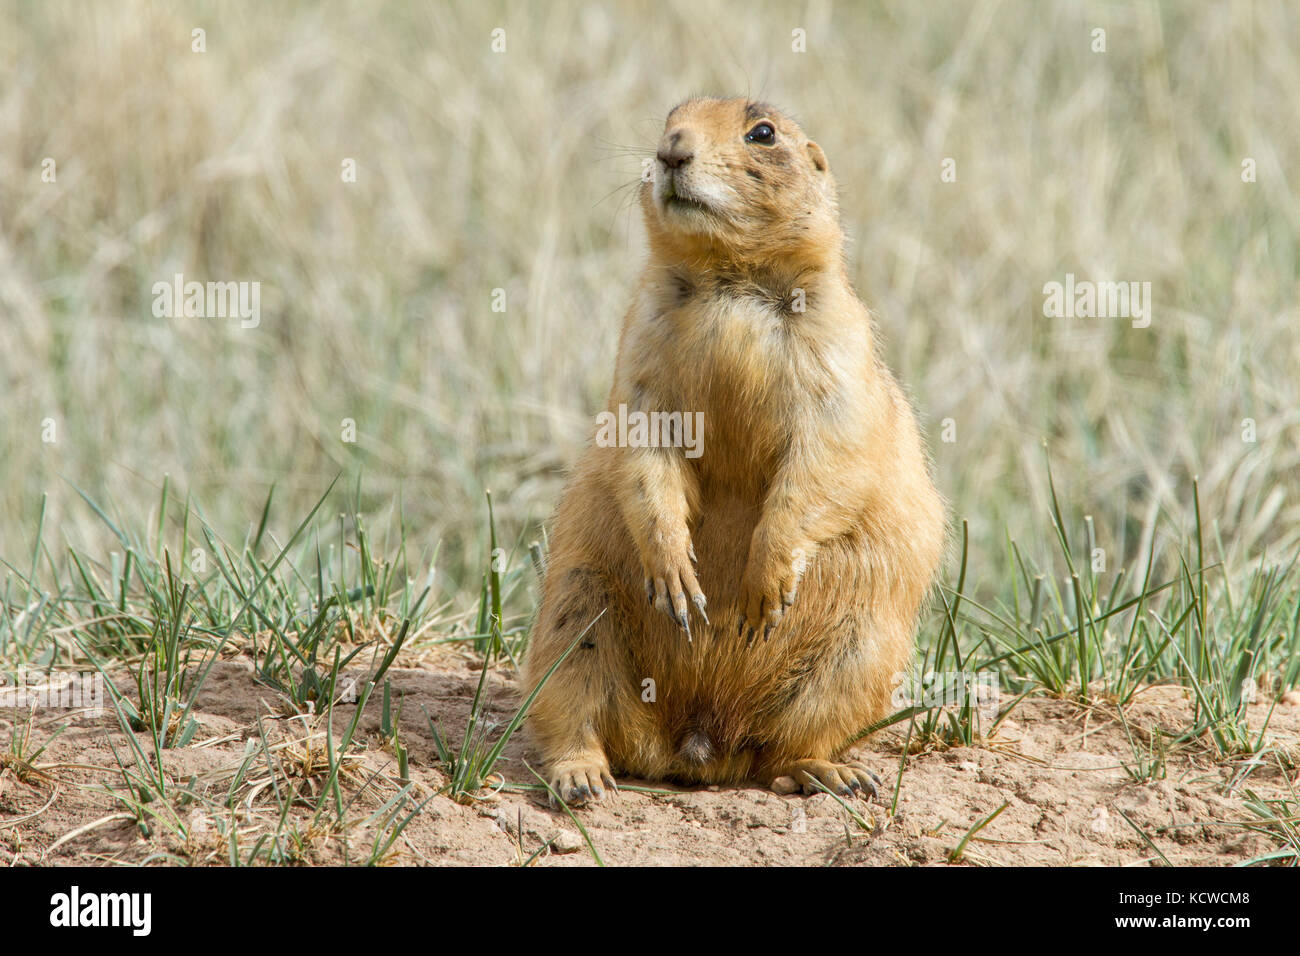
[
  {"x": 718, "y": 664},
  {"x": 722, "y": 534}
]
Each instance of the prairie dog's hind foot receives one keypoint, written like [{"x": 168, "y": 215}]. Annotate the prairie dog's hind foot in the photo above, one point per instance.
[
  {"x": 844, "y": 779},
  {"x": 581, "y": 780}
]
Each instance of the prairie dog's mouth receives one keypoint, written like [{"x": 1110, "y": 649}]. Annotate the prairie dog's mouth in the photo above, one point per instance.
[
  {"x": 681, "y": 202},
  {"x": 673, "y": 197}
]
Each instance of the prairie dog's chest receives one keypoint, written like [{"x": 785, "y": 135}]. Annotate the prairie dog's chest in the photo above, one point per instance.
[
  {"x": 733, "y": 350},
  {"x": 740, "y": 363}
]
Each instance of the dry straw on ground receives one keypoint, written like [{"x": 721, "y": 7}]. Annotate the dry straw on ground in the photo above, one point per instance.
[{"x": 480, "y": 171}]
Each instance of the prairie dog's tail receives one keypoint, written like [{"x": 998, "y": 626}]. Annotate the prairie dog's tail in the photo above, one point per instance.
[{"x": 696, "y": 748}]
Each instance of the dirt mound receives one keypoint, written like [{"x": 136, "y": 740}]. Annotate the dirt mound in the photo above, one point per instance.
[{"x": 1057, "y": 770}]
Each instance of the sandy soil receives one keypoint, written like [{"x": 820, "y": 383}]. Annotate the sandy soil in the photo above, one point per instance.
[{"x": 1056, "y": 767}]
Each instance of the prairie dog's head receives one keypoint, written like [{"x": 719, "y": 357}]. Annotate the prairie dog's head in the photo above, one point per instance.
[{"x": 739, "y": 180}]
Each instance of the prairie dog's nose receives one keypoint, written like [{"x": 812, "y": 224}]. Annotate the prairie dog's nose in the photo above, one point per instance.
[{"x": 677, "y": 148}]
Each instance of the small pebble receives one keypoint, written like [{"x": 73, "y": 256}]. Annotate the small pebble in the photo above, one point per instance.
[
  {"x": 785, "y": 785},
  {"x": 565, "y": 841}
]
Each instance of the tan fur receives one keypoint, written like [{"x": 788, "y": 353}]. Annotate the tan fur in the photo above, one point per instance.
[{"x": 811, "y": 512}]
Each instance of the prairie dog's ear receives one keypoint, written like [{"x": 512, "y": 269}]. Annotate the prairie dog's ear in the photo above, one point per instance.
[{"x": 818, "y": 157}]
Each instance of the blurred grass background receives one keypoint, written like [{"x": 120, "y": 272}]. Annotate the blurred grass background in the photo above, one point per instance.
[{"x": 479, "y": 171}]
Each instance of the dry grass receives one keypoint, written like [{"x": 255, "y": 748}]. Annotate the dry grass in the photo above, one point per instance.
[{"x": 480, "y": 171}]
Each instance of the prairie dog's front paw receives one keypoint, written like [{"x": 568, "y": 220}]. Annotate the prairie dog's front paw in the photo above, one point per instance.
[
  {"x": 671, "y": 585},
  {"x": 768, "y": 587}
]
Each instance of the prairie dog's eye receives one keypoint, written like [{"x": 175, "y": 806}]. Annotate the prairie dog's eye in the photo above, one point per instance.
[{"x": 763, "y": 134}]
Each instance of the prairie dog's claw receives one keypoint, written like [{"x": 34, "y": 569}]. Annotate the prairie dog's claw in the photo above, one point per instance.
[{"x": 672, "y": 587}]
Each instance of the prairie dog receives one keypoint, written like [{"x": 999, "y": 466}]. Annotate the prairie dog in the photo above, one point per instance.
[{"x": 760, "y": 590}]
